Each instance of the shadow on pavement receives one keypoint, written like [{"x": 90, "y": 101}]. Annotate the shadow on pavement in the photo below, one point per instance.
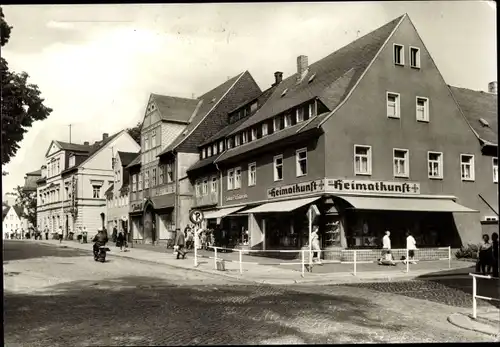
[
  {"x": 151, "y": 311},
  {"x": 23, "y": 250}
]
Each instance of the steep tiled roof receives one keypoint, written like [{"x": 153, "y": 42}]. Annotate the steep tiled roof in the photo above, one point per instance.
[
  {"x": 175, "y": 109},
  {"x": 476, "y": 105},
  {"x": 5, "y": 211},
  {"x": 74, "y": 147},
  {"x": 193, "y": 135},
  {"x": 136, "y": 161},
  {"x": 349, "y": 63},
  {"x": 19, "y": 210},
  {"x": 126, "y": 157}
]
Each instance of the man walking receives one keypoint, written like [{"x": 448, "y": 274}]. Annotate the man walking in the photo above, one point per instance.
[
  {"x": 60, "y": 233},
  {"x": 180, "y": 242},
  {"x": 386, "y": 249},
  {"x": 46, "y": 231},
  {"x": 411, "y": 246}
]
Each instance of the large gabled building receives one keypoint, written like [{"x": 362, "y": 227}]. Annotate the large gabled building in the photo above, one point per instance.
[{"x": 373, "y": 136}]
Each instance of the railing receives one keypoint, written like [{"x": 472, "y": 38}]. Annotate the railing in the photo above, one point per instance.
[
  {"x": 474, "y": 292},
  {"x": 354, "y": 257}
]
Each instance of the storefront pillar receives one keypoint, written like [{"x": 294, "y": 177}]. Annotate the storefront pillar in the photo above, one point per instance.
[{"x": 254, "y": 231}]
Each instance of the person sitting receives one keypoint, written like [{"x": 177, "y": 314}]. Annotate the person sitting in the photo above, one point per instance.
[{"x": 100, "y": 240}]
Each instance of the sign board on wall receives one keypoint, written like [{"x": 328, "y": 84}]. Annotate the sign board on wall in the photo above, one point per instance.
[
  {"x": 136, "y": 207},
  {"x": 296, "y": 189},
  {"x": 371, "y": 187},
  {"x": 237, "y": 197}
]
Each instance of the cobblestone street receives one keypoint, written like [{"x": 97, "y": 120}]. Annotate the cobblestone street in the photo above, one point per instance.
[{"x": 61, "y": 297}]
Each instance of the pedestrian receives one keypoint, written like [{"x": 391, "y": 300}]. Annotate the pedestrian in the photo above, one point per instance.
[
  {"x": 180, "y": 242},
  {"x": 315, "y": 244},
  {"x": 386, "y": 250},
  {"x": 411, "y": 246},
  {"x": 114, "y": 235},
  {"x": 485, "y": 258},
  {"x": 60, "y": 233},
  {"x": 84, "y": 235},
  {"x": 189, "y": 237},
  {"x": 494, "y": 239},
  {"x": 203, "y": 237},
  {"x": 46, "y": 231},
  {"x": 120, "y": 240}
]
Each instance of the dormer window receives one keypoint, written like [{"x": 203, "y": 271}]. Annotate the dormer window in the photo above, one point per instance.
[
  {"x": 209, "y": 151},
  {"x": 311, "y": 110},
  {"x": 72, "y": 161},
  {"x": 244, "y": 137},
  {"x": 276, "y": 124},
  {"x": 288, "y": 120},
  {"x": 237, "y": 140},
  {"x": 253, "y": 135},
  {"x": 300, "y": 115},
  {"x": 221, "y": 146},
  {"x": 264, "y": 129},
  {"x": 203, "y": 153},
  {"x": 229, "y": 143},
  {"x": 253, "y": 107},
  {"x": 214, "y": 149}
]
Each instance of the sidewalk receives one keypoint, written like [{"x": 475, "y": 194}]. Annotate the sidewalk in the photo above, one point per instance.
[
  {"x": 487, "y": 322},
  {"x": 272, "y": 273}
]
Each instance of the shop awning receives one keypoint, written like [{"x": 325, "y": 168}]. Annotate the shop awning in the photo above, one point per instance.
[
  {"x": 222, "y": 212},
  {"x": 282, "y": 206},
  {"x": 405, "y": 204}
]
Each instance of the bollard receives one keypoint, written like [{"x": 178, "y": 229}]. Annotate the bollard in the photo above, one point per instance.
[
  {"x": 303, "y": 265},
  {"x": 241, "y": 265},
  {"x": 215, "y": 258},
  {"x": 474, "y": 302},
  {"x": 354, "y": 262},
  {"x": 449, "y": 257},
  {"x": 407, "y": 261}
]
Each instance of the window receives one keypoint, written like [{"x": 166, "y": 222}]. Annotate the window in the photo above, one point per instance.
[
  {"x": 393, "y": 105},
  {"x": 153, "y": 139},
  {"x": 229, "y": 143},
  {"x": 311, "y": 110},
  {"x": 300, "y": 115},
  {"x": 72, "y": 161},
  {"x": 288, "y": 120},
  {"x": 221, "y": 146},
  {"x": 198, "y": 188},
  {"x": 237, "y": 178},
  {"x": 495, "y": 169},
  {"x": 362, "y": 160},
  {"x": 264, "y": 129},
  {"x": 301, "y": 162},
  {"x": 214, "y": 149},
  {"x": 205, "y": 186},
  {"x": 253, "y": 107},
  {"x": 153, "y": 178},
  {"x": 230, "y": 179},
  {"x": 415, "y": 57},
  {"x": 170, "y": 173},
  {"x": 96, "y": 192},
  {"x": 140, "y": 182},
  {"x": 146, "y": 142},
  {"x": 244, "y": 137},
  {"x": 161, "y": 171},
  {"x": 252, "y": 174},
  {"x": 203, "y": 153},
  {"x": 422, "y": 109},
  {"x": 58, "y": 166},
  {"x": 209, "y": 151},
  {"x": 401, "y": 163},
  {"x": 214, "y": 184},
  {"x": 278, "y": 167},
  {"x": 134, "y": 182},
  {"x": 253, "y": 136},
  {"x": 467, "y": 167},
  {"x": 276, "y": 124},
  {"x": 435, "y": 163},
  {"x": 399, "y": 56},
  {"x": 146, "y": 180},
  {"x": 237, "y": 140}
]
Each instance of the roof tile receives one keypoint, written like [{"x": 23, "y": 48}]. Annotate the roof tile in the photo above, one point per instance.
[{"x": 175, "y": 109}]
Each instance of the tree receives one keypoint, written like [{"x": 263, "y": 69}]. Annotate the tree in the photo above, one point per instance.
[
  {"x": 135, "y": 132},
  {"x": 21, "y": 104},
  {"x": 27, "y": 200}
]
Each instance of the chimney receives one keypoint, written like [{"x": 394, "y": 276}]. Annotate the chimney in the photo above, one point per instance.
[
  {"x": 86, "y": 143},
  {"x": 105, "y": 136},
  {"x": 302, "y": 67},
  {"x": 278, "y": 77},
  {"x": 492, "y": 87}
]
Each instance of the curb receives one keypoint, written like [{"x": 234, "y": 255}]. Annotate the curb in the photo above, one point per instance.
[{"x": 454, "y": 321}]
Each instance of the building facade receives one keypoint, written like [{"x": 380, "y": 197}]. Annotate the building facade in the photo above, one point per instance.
[
  {"x": 74, "y": 179},
  {"x": 117, "y": 195},
  {"x": 161, "y": 192},
  {"x": 365, "y": 135},
  {"x": 13, "y": 221}
]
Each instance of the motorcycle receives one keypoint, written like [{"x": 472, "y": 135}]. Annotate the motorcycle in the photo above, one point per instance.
[{"x": 101, "y": 254}]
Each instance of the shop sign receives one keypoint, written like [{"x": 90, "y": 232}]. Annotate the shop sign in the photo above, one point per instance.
[
  {"x": 135, "y": 207},
  {"x": 237, "y": 197},
  {"x": 296, "y": 189},
  {"x": 372, "y": 187}
]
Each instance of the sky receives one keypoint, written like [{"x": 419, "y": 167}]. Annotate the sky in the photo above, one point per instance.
[{"x": 96, "y": 65}]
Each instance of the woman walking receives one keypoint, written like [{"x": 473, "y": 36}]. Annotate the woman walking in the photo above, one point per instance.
[
  {"x": 485, "y": 258},
  {"x": 315, "y": 244},
  {"x": 120, "y": 239}
]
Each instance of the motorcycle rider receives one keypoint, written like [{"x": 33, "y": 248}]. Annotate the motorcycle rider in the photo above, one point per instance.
[{"x": 100, "y": 239}]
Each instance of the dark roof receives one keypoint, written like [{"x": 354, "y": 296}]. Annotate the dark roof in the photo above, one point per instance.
[
  {"x": 5, "y": 211},
  {"x": 349, "y": 63},
  {"x": 19, "y": 210},
  {"x": 476, "y": 105},
  {"x": 74, "y": 147},
  {"x": 261, "y": 99},
  {"x": 202, "y": 163},
  {"x": 208, "y": 101},
  {"x": 126, "y": 157},
  {"x": 136, "y": 161},
  {"x": 175, "y": 109},
  {"x": 35, "y": 173}
]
